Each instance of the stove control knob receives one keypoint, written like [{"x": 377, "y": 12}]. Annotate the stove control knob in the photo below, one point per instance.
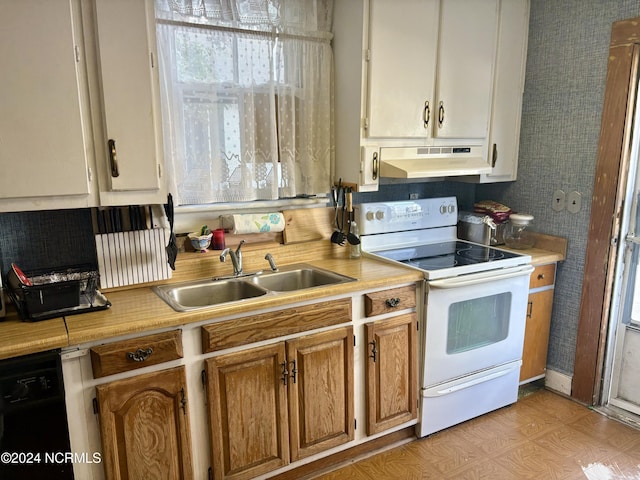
[
  {"x": 443, "y": 209},
  {"x": 369, "y": 215},
  {"x": 380, "y": 214},
  {"x": 452, "y": 208}
]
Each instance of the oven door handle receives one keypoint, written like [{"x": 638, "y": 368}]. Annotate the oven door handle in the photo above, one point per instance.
[
  {"x": 475, "y": 381},
  {"x": 483, "y": 277}
]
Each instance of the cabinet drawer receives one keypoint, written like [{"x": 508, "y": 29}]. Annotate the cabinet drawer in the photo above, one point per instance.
[
  {"x": 256, "y": 328},
  {"x": 377, "y": 303},
  {"x": 139, "y": 352},
  {"x": 543, "y": 275}
]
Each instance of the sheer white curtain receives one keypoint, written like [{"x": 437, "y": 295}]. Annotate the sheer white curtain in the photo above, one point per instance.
[{"x": 246, "y": 97}]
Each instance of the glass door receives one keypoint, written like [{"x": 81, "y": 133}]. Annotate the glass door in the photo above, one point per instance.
[{"x": 622, "y": 363}]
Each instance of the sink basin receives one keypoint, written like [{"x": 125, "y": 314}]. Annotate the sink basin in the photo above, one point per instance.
[
  {"x": 200, "y": 294},
  {"x": 298, "y": 277},
  {"x": 197, "y": 294}
]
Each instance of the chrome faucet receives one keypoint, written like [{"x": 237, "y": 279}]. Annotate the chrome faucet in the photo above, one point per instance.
[
  {"x": 236, "y": 258},
  {"x": 272, "y": 263}
]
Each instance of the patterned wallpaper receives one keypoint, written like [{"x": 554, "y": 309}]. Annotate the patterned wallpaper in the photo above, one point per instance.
[{"x": 564, "y": 91}]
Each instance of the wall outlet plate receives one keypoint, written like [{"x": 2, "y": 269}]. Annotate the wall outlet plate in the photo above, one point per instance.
[
  {"x": 574, "y": 202},
  {"x": 559, "y": 199}
]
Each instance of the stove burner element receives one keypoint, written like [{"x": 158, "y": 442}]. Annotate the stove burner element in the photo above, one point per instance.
[
  {"x": 433, "y": 263},
  {"x": 480, "y": 253},
  {"x": 444, "y": 255}
]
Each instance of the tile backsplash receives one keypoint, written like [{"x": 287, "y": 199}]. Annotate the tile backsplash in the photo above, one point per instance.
[{"x": 46, "y": 239}]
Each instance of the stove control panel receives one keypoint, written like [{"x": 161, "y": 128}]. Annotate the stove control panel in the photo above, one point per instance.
[{"x": 398, "y": 216}]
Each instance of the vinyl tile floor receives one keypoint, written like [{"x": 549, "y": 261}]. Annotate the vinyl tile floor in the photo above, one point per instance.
[{"x": 542, "y": 436}]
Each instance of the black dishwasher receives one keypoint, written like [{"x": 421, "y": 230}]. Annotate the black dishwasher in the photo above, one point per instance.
[{"x": 33, "y": 420}]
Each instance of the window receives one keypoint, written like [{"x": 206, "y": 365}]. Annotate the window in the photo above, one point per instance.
[
  {"x": 246, "y": 98},
  {"x": 478, "y": 322}
]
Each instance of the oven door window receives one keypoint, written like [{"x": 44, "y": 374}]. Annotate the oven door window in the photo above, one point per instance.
[{"x": 478, "y": 322}]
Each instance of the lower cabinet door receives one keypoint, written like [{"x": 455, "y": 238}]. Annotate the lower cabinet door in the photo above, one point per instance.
[
  {"x": 392, "y": 368},
  {"x": 144, "y": 426},
  {"x": 276, "y": 404},
  {"x": 321, "y": 411},
  {"x": 247, "y": 398},
  {"x": 536, "y": 335}
]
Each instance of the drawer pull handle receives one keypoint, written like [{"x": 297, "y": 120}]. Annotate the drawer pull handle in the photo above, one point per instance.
[
  {"x": 529, "y": 309},
  {"x": 392, "y": 302},
  {"x": 140, "y": 355},
  {"x": 541, "y": 276}
]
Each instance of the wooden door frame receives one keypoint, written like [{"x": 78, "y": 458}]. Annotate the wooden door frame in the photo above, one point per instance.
[{"x": 606, "y": 209}]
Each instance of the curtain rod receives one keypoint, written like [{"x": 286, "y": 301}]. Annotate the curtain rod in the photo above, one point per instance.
[{"x": 178, "y": 23}]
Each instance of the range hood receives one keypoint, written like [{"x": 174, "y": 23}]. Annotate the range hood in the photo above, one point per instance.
[{"x": 427, "y": 162}]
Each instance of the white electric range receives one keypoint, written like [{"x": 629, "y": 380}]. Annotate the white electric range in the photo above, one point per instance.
[{"x": 474, "y": 311}]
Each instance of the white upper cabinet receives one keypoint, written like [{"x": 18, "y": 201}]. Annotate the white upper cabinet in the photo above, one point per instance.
[
  {"x": 76, "y": 74},
  {"x": 131, "y": 142},
  {"x": 431, "y": 68},
  {"x": 426, "y": 73},
  {"x": 504, "y": 133},
  {"x": 466, "y": 57},
  {"x": 42, "y": 125},
  {"x": 402, "y": 55}
]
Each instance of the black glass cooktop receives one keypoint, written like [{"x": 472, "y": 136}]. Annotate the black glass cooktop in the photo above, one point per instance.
[{"x": 435, "y": 256}]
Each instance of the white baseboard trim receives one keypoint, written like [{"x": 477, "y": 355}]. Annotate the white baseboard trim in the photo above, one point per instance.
[{"x": 558, "y": 381}]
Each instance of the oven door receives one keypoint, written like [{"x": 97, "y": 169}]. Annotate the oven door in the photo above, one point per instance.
[{"x": 474, "y": 322}]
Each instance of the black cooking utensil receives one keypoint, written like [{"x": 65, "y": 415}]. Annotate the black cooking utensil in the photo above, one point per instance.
[
  {"x": 172, "y": 247},
  {"x": 338, "y": 235}
]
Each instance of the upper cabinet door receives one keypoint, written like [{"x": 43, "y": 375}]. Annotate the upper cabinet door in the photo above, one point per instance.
[
  {"x": 403, "y": 39},
  {"x": 504, "y": 137},
  {"x": 467, "y": 46},
  {"x": 129, "y": 80},
  {"x": 42, "y": 145},
  {"x": 430, "y": 68}
]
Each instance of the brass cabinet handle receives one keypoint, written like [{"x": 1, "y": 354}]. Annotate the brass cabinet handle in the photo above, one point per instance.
[
  {"x": 140, "y": 355},
  {"x": 113, "y": 158},
  {"x": 494, "y": 157},
  {"x": 529, "y": 309},
  {"x": 294, "y": 371},
  {"x": 541, "y": 276},
  {"x": 441, "y": 115}
]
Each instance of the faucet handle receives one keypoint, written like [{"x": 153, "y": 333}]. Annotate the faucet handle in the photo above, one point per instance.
[{"x": 268, "y": 257}]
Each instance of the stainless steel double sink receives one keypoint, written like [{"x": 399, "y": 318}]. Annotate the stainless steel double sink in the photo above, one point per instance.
[{"x": 199, "y": 294}]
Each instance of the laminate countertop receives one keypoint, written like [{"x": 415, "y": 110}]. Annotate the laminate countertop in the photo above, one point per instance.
[{"x": 139, "y": 310}]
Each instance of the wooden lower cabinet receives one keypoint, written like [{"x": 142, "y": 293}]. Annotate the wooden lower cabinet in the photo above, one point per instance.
[
  {"x": 272, "y": 405},
  {"x": 536, "y": 335},
  {"x": 392, "y": 369},
  {"x": 320, "y": 389},
  {"x": 144, "y": 425},
  {"x": 538, "y": 323}
]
